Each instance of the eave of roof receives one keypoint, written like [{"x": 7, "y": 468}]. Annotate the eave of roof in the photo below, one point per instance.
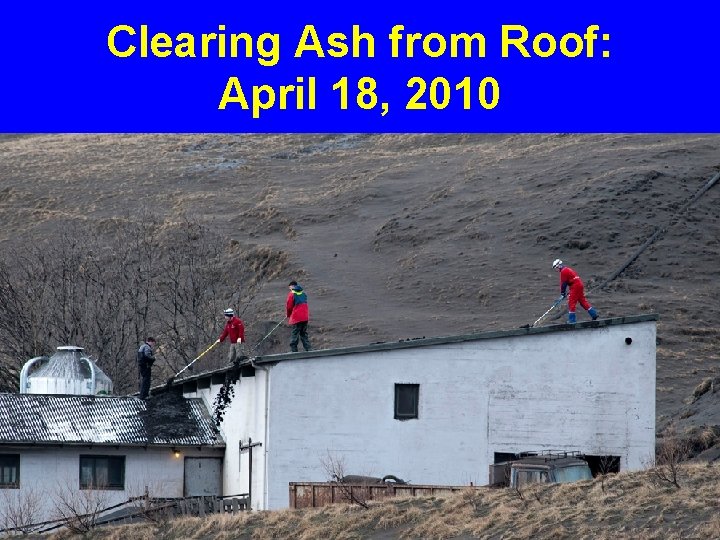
[{"x": 426, "y": 342}]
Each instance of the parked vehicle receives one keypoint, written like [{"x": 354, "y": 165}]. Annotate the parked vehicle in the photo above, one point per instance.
[{"x": 546, "y": 468}]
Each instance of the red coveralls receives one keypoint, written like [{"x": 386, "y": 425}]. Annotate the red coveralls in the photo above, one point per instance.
[{"x": 569, "y": 278}]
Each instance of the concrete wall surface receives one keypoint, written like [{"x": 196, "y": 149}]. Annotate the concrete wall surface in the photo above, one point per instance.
[
  {"x": 585, "y": 390},
  {"x": 50, "y": 477},
  {"x": 244, "y": 419}
]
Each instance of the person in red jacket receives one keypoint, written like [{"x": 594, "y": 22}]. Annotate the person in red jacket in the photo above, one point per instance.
[
  {"x": 299, "y": 314},
  {"x": 569, "y": 278},
  {"x": 235, "y": 330}
]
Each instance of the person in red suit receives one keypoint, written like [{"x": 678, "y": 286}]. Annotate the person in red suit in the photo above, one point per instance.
[
  {"x": 569, "y": 278},
  {"x": 235, "y": 330},
  {"x": 299, "y": 313}
]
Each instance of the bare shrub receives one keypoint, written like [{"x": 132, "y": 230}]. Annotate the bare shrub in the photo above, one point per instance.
[
  {"x": 108, "y": 288},
  {"x": 335, "y": 468},
  {"x": 607, "y": 465},
  {"x": 19, "y": 509},
  {"x": 188, "y": 294},
  {"x": 79, "y": 510},
  {"x": 670, "y": 454}
]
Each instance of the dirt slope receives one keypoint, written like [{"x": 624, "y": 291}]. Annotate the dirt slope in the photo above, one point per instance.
[
  {"x": 624, "y": 506},
  {"x": 399, "y": 236}
]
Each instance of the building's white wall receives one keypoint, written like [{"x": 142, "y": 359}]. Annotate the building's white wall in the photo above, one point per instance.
[
  {"x": 244, "y": 419},
  {"x": 595, "y": 394},
  {"x": 50, "y": 473},
  {"x": 580, "y": 390}
]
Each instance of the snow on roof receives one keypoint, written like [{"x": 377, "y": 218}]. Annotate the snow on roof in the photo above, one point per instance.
[{"x": 164, "y": 420}]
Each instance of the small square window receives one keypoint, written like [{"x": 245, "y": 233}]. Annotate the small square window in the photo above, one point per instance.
[
  {"x": 102, "y": 472},
  {"x": 406, "y": 401},
  {"x": 9, "y": 471}
]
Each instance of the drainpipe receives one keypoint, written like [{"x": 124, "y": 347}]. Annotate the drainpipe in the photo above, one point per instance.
[{"x": 265, "y": 446}]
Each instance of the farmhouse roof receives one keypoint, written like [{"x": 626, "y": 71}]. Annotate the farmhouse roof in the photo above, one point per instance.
[{"x": 165, "y": 420}]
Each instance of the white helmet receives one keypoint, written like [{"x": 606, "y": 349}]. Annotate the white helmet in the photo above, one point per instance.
[
  {"x": 556, "y": 264},
  {"x": 229, "y": 311}
]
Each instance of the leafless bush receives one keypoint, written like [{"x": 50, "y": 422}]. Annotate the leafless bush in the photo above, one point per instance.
[
  {"x": 108, "y": 288},
  {"x": 670, "y": 454},
  {"x": 79, "y": 510},
  {"x": 19, "y": 509},
  {"x": 606, "y": 465},
  {"x": 188, "y": 294},
  {"x": 335, "y": 468}
]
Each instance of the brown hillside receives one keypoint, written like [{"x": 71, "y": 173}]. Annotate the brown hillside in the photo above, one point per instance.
[
  {"x": 400, "y": 236},
  {"x": 624, "y": 506}
]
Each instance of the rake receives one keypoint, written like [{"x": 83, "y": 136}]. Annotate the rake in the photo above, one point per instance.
[{"x": 555, "y": 304}]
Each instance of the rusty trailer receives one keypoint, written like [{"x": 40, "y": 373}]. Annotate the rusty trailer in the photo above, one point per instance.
[{"x": 317, "y": 494}]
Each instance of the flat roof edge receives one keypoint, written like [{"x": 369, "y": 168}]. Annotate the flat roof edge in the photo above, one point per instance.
[
  {"x": 441, "y": 340},
  {"x": 424, "y": 342}
]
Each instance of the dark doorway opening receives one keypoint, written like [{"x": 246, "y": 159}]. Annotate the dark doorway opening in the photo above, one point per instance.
[{"x": 603, "y": 464}]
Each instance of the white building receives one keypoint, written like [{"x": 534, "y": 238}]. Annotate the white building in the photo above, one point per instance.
[
  {"x": 93, "y": 452},
  {"x": 437, "y": 410}
]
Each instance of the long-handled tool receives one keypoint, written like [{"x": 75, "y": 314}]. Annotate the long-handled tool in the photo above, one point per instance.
[
  {"x": 247, "y": 304},
  {"x": 254, "y": 347},
  {"x": 171, "y": 379},
  {"x": 555, "y": 304}
]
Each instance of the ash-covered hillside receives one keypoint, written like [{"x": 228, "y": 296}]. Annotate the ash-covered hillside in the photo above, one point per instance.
[{"x": 401, "y": 236}]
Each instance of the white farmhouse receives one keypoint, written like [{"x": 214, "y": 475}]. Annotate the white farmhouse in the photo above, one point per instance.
[
  {"x": 438, "y": 410},
  {"x": 90, "y": 451}
]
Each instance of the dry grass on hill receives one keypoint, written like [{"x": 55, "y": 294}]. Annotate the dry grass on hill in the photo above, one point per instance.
[{"x": 631, "y": 505}]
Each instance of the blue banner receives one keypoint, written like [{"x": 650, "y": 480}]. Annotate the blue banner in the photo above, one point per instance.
[{"x": 324, "y": 67}]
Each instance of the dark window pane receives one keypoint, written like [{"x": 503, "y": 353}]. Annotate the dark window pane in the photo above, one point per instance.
[
  {"x": 86, "y": 472},
  {"x": 116, "y": 472},
  {"x": 102, "y": 472},
  {"x": 10, "y": 470},
  {"x": 406, "y": 401}
]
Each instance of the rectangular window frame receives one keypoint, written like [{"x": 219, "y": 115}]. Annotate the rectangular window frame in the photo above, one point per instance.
[
  {"x": 403, "y": 393},
  {"x": 93, "y": 465},
  {"x": 9, "y": 471}
]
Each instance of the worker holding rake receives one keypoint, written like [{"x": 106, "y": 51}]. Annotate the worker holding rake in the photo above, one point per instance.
[
  {"x": 296, "y": 307},
  {"x": 235, "y": 330},
  {"x": 570, "y": 279}
]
